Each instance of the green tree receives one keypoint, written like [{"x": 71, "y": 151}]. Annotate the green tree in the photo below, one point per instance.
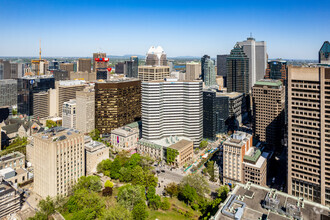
[
  {"x": 172, "y": 189},
  {"x": 140, "y": 211},
  {"x": 154, "y": 200},
  {"x": 129, "y": 195},
  {"x": 104, "y": 167},
  {"x": 50, "y": 124},
  {"x": 223, "y": 192},
  {"x": 14, "y": 111},
  {"x": 117, "y": 212},
  {"x": 91, "y": 183},
  {"x": 198, "y": 182},
  {"x": 138, "y": 176},
  {"x": 210, "y": 169},
  {"x": 165, "y": 205},
  {"x": 95, "y": 135},
  {"x": 203, "y": 144},
  {"x": 108, "y": 183},
  {"x": 187, "y": 194},
  {"x": 134, "y": 160},
  {"x": 125, "y": 174},
  {"x": 114, "y": 169}
]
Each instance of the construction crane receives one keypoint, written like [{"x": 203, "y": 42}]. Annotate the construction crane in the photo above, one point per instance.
[{"x": 37, "y": 62}]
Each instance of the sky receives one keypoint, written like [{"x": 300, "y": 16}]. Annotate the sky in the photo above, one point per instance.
[{"x": 293, "y": 29}]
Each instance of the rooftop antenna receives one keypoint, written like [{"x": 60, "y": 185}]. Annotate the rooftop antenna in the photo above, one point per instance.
[{"x": 251, "y": 34}]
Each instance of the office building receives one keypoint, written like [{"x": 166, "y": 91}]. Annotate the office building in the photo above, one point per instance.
[
  {"x": 95, "y": 152},
  {"x": 131, "y": 67},
  {"x": 5, "y": 69},
  {"x": 234, "y": 150},
  {"x": 53, "y": 65},
  {"x": 66, "y": 90},
  {"x": 59, "y": 161},
  {"x": 10, "y": 199},
  {"x": 256, "y": 51},
  {"x": 119, "y": 67},
  {"x": 148, "y": 73},
  {"x": 60, "y": 75},
  {"x": 205, "y": 57},
  {"x": 156, "y": 56},
  {"x": 268, "y": 98},
  {"x": 251, "y": 201},
  {"x": 308, "y": 133},
  {"x": 222, "y": 67},
  {"x": 8, "y": 92},
  {"x": 82, "y": 76},
  {"x": 209, "y": 73},
  {"x": 85, "y": 110},
  {"x": 27, "y": 86},
  {"x": 255, "y": 167},
  {"x": 277, "y": 69},
  {"x": 99, "y": 61},
  {"x": 172, "y": 108},
  {"x": 222, "y": 112},
  {"x": 117, "y": 103},
  {"x": 69, "y": 67},
  {"x": 181, "y": 76},
  {"x": 193, "y": 70},
  {"x": 41, "y": 104},
  {"x": 238, "y": 71},
  {"x": 84, "y": 65},
  {"x": 125, "y": 137},
  {"x": 69, "y": 114},
  {"x": 324, "y": 53}
]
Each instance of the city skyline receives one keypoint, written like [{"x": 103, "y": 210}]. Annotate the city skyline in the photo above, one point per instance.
[{"x": 292, "y": 30}]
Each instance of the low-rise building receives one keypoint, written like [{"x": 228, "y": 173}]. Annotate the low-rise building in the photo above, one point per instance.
[
  {"x": 149, "y": 148},
  {"x": 10, "y": 199},
  {"x": 17, "y": 176},
  {"x": 250, "y": 201},
  {"x": 13, "y": 160},
  {"x": 126, "y": 137},
  {"x": 95, "y": 152},
  {"x": 180, "y": 153}
]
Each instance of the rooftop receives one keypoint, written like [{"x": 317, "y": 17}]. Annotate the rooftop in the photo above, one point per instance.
[
  {"x": 71, "y": 82},
  {"x": 268, "y": 82},
  {"x": 11, "y": 156},
  {"x": 252, "y": 201},
  {"x": 238, "y": 139},
  {"x": 57, "y": 134},
  {"x": 118, "y": 80},
  {"x": 170, "y": 141},
  {"x": 181, "y": 144},
  {"x": 256, "y": 158},
  {"x": 37, "y": 77},
  {"x": 231, "y": 95}
]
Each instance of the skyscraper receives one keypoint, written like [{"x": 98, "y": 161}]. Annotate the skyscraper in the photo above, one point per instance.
[
  {"x": 205, "y": 57},
  {"x": 238, "y": 71},
  {"x": 268, "y": 98},
  {"x": 256, "y": 51},
  {"x": 156, "y": 57},
  {"x": 222, "y": 67},
  {"x": 131, "y": 67},
  {"x": 324, "y": 53},
  {"x": 193, "y": 70},
  {"x": 209, "y": 73},
  {"x": 172, "y": 108},
  {"x": 67, "y": 66},
  {"x": 85, "y": 110},
  {"x": 117, "y": 103},
  {"x": 277, "y": 69},
  {"x": 84, "y": 65},
  {"x": 308, "y": 133},
  {"x": 99, "y": 65}
]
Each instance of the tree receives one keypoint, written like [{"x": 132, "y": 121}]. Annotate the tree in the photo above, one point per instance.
[
  {"x": 172, "y": 189},
  {"x": 129, "y": 195},
  {"x": 198, "y": 182},
  {"x": 134, "y": 160},
  {"x": 14, "y": 111},
  {"x": 165, "y": 205},
  {"x": 203, "y": 144},
  {"x": 95, "y": 135},
  {"x": 188, "y": 194},
  {"x": 210, "y": 169},
  {"x": 223, "y": 192},
  {"x": 50, "y": 124},
  {"x": 114, "y": 169},
  {"x": 108, "y": 183},
  {"x": 91, "y": 183},
  {"x": 139, "y": 211},
  {"x": 138, "y": 176},
  {"x": 117, "y": 213},
  {"x": 153, "y": 199},
  {"x": 104, "y": 167},
  {"x": 125, "y": 174},
  {"x": 47, "y": 206}
]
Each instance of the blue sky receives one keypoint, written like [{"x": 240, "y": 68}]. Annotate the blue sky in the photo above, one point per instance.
[{"x": 292, "y": 29}]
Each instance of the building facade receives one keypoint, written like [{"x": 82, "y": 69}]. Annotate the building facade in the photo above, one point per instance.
[
  {"x": 148, "y": 73},
  {"x": 209, "y": 73},
  {"x": 69, "y": 67},
  {"x": 41, "y": 104},
  {"x": 193, "y": 70},
  {"x": 69, "y": 115},
  {"x": 222, "y": 67},
  {"x": 172, "y": 108},
  {"x": 324, "y": 53},
  {"x": 131, "y": 67},
  {"x": 84, "y": 65},
  {"x": 308, "y": 133},
  {"x": 268, "y": 98},
  {"x": 8, "y": 92},
  {"x": 85, "y": 110},
  {"x": 205, "y": 57},
  {"x": 277, "y": 69},
  {"x": 99, "y": 65},
  {"x": 117, "y": 103},
  {"x": 255, "y": 167},
  {"x": 156, "y": 56},
  {"x": 95, "y": 152},
  {"x": 59, "y": 161},
  {"x": 10, "y": 200},
  {"x": 126, "y": 137}
]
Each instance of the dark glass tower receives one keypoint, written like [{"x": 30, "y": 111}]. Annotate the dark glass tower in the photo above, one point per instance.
[
  {"x": 277, "y": 69},
  {"x": 131, "y": 67},
  {"x": 26, "y": 87},
  {"x": 205, "y": 57}
]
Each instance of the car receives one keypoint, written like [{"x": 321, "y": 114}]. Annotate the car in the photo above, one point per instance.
[{"x": 163, "y": 171}]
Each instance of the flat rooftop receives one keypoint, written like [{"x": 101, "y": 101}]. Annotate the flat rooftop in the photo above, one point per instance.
[
  {"x": 238, "y": 139},
  {"x": 11, "y": 156},
  {"x": 181, "y": 145},
  {"x": 252, "y": 198},
  {"x": 268, "y": 82},
  {"x": 231, "y": 95},
  {"x": 57, "y": 134}
]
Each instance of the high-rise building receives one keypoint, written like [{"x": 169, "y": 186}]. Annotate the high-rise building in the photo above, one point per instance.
[
  {"x": 324, "y": 53},
  {"x": 238, "y": 71},
  {"x": 85, "y": 110},
  {"x": 193, "y": 70},
  {"x": 66, "y": 90},
  {"x": 53, "y": 65},
  {"x": 59, "y": 161},
  {"x": 84, "y": 65},
  {"x": 209, "y": 73},
  {"x": 172, "y": 108},
  {"x": 268, "y": 98},
  {"x": 60, "y": 75},
  {"x": 308, "y": 133},
  {"x": 148, "y": 73},
  {"x": 222, "y": 65},
  {"x": 117, "y": 103},
  {"x": 8, "y": 92},
  {"x": 131, "y": 67},
  {"x": 27, "y": 86},
  {"x": 6, "y": 69},
  {"x": 1, "y": 71},
  {"x": 69, "y": 114},
  {"x": 277, "y": 69},
  {"x": 205, "y": 57},
  {"x": 156, "y": 57},
  {"x": 99, "y": 65},
  {"x": 69, "y": 67},
  {"x": 221, "y": 112},
  {"x": 256, "y": 51},
  {"x": 119, "y": 68},
  {"x": 41, "y": 104}
]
